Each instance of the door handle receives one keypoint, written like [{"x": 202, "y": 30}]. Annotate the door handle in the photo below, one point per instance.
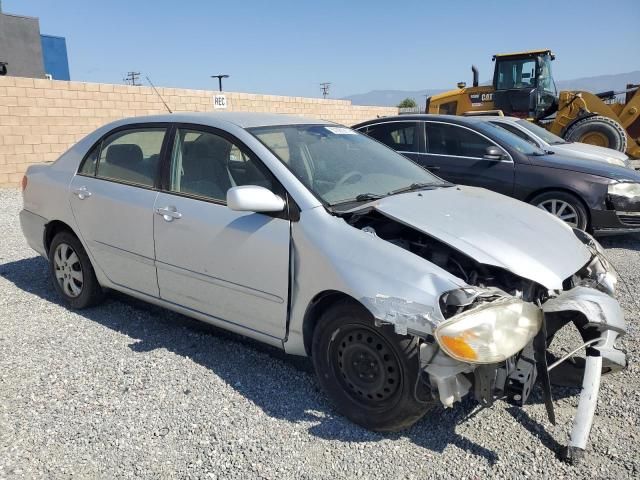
[
  {"x": 432, "y": 167},
  {"x": 82, "y": 193},
  {"x": 168, "y": 213}
]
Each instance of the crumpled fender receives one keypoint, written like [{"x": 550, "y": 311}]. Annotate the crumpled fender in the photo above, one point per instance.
[{"x": 602, "y": 313}]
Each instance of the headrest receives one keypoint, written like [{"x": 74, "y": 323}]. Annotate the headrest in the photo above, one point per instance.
[{"x": 124, "y": 154}]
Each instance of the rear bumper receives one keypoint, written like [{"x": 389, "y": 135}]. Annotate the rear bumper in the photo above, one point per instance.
[{"x": 33, "y": 230}]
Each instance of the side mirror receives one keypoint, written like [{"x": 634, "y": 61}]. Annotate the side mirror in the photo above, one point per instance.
[
  {"x": 493, "y": 153},
  {"x": 251, "y": 198}
]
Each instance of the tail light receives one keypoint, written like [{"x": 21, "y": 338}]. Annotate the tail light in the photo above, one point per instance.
[{"x": 24, "y": 182}]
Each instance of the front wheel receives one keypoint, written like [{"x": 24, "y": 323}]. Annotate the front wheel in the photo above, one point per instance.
[
  {"x": 368, "y": 372},
  {"x": 565, "y": 206},
  {"x": 72, "y": 273},
  {"x": 600, "y": 131}
]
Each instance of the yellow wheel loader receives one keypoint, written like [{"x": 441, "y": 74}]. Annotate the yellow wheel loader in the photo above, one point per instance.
[{"x": 523, "y": 86}]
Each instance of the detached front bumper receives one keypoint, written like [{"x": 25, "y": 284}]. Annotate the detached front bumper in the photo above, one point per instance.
[{"x": 600, "y": 320}]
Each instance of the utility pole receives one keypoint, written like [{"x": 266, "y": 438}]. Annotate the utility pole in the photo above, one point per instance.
[
  {"x": 220, "y": 77},
  {"x": 325, "y": 89},
  {"x": 132, "y": 79}
]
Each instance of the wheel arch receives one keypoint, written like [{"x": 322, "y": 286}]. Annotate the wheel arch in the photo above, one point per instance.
[
  {"x": 51, "y": 229},
  {"x": 321, "y": 302},
  {"x": 540, "y": 191}
]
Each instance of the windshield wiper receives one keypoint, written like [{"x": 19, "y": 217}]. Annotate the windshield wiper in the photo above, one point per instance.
[
  {"x": 418, "y": 186},
  {"x": 368, "y": 196}
]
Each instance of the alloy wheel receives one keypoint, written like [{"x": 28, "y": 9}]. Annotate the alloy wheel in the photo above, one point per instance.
[
  {"x": 561, "y": 209},
  {"x": 68, "y": 270}
]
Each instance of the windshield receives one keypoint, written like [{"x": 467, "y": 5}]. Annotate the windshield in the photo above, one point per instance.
[
  {"x": 340, "y": 165},
  {"x": 509, "y": 138},
  {"x": 543, "y": 133}
]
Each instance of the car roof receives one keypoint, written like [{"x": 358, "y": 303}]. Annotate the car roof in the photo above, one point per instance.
[
  {"x": 216, "y": 119},
  {"x": 423, "y": 116}
]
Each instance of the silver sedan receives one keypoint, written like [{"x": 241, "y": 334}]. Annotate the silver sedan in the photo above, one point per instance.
[{"x": 406, "y": 290}]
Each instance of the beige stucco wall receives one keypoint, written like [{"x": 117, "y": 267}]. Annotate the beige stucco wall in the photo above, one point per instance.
[{"x": 40, "y": 119}]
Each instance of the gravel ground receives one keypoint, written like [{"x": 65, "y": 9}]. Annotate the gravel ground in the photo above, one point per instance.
[{"x": 128, "y": 390}]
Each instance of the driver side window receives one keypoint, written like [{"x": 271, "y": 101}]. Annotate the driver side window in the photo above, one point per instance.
[{"x": 207, "y": 165}]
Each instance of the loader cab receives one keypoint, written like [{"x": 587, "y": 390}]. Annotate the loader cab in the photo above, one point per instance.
[{"x": 523, "y": 84}]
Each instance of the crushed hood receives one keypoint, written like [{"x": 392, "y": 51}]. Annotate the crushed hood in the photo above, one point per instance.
[{"x": 493, "y": 229}]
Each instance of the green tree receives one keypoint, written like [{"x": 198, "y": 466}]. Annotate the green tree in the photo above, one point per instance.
[{"x": 408, "y": 103}]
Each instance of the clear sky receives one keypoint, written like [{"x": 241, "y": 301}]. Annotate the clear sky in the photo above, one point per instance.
[{"x": 288, "y": 47}]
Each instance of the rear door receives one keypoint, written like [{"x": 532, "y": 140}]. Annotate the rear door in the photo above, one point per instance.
[
  {"x": 230, "y": 265},
  {"x": 455, "y": 153},
  {"x": 403, "y": 136},
  {"x": 112, "y": 199}
]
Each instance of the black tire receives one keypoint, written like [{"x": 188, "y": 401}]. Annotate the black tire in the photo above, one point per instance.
[
  {"x": 76, "y": 294},
  {"x": 602, "y": 131},
  {"x": 368, "y": 372},
  {"x": 545, "y": 200}
]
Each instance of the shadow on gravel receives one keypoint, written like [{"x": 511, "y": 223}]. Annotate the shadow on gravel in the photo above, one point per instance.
[
  {"x": 627, "y": 241},
  {"x": 283, "y": 387}
]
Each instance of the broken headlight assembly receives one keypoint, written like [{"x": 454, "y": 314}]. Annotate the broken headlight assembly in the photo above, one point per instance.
[
  {"x": 624, "y": 189},
  {"x": 599, "y": 273},
  {"x": 491, "y": 332}
]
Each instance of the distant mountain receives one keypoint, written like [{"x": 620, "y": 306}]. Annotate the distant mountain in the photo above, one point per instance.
[
  {"x": 601, "y": 83},
  {"x": 391, "y": 98}
]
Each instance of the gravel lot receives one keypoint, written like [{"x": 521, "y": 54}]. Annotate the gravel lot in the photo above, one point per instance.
[{"x": 128, "y": 390}]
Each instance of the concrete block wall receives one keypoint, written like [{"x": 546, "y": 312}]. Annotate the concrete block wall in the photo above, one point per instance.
[{"x": 40, "y": 119}]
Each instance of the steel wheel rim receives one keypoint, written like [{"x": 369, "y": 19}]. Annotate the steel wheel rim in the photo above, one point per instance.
[
  {"x": 561, "y": 209},
  {"x": 366, "y": 366},
  {"x": 595, "y": 138},
  {"x": 68, "y": 270}
]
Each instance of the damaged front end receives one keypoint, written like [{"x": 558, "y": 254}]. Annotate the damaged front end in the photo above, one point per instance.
[{"x": 490, "y": 338}]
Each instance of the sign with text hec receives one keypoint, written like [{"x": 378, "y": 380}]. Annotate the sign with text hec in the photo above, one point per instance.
[{"x": 219, "y": 101}]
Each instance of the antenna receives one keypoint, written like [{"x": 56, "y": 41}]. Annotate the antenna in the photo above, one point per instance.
[
  {"x": 325, "y": 89},
  {"x": 158, "y": 93},
  {"x": 132, "y": 79}
]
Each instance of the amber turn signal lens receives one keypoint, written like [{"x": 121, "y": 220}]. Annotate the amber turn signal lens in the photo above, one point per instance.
[
  {"x": 24, "y": 182},
  {"x": 459, "y": 347}
]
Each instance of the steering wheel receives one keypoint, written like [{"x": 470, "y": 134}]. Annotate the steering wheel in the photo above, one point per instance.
[{"x": 348, "y": 176}]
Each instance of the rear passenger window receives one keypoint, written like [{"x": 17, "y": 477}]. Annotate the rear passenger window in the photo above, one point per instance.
[
  {"x": 401, "y": 136},
  {"x": 88, "y": 167},
  {"x": 131, "y": 156},
  {"x": 446, "y": 139}
]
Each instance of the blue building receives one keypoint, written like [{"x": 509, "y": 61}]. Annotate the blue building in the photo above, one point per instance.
[{"x": 54, "y": 56}]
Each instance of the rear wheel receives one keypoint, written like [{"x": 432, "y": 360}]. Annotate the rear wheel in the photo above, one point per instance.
[
  {"x": 72, "y": 273},
  {"x": 598, "y": 130},
  {"x": 565, "y": 206},
  {"x": 369, "y": 373}
]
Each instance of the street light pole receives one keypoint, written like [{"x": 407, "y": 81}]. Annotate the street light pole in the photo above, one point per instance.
[{"x": 220, "y": 77}]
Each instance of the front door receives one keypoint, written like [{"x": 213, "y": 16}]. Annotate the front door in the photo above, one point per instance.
[
  {"x": 455, "y": 153},
  {"x": 230, "y": 265},
  {"x": 112, "y": 199}
]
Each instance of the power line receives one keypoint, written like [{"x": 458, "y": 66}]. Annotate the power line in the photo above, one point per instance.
[
  {"x": 132, "y": 79},
  {"x": 325, "y": 89}
]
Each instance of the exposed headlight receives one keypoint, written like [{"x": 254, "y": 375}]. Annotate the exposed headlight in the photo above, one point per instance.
[
  {"x": 588, "y": 240},
  {"x": 490, "y": 333},
  {"x": 626, "y": 189}
]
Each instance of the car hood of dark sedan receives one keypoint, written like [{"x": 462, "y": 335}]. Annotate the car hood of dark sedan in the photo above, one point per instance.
[
  {"x": 494, "y": 230},
  {"x": 584, "y": 165}
]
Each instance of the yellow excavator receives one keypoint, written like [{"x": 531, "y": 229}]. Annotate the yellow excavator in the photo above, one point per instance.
[{"x": 523, "y": 86}]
